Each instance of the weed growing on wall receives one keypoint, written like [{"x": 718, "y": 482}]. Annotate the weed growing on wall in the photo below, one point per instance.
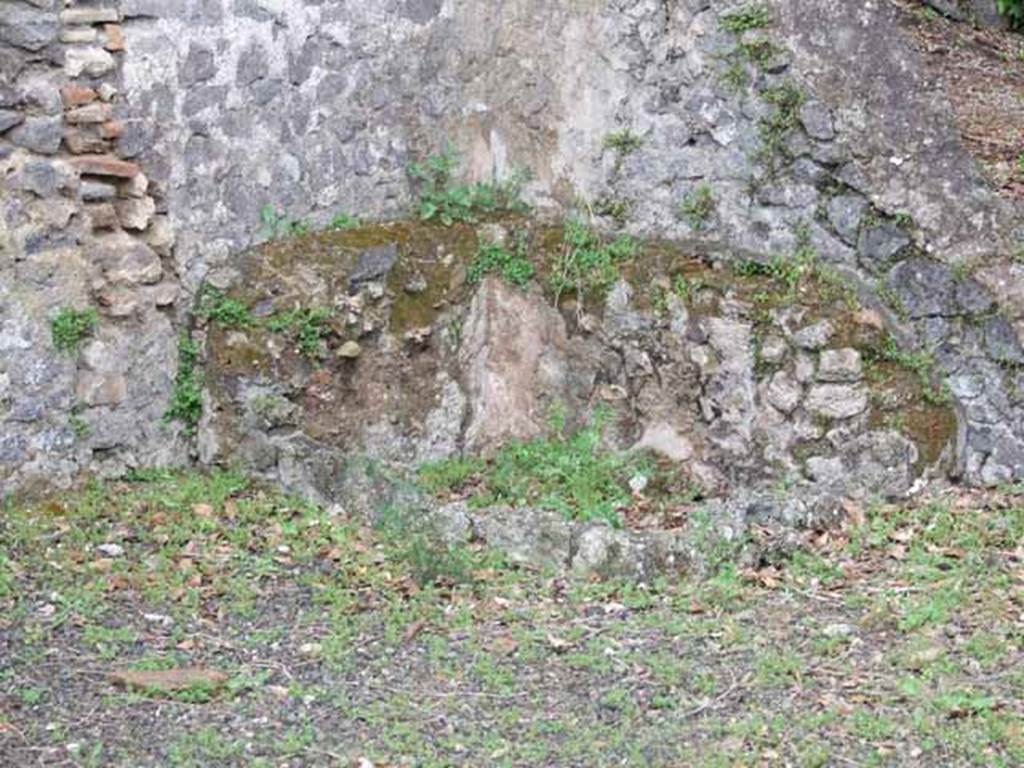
[
  {"x": 309, "y": 326},
  {"x": 344, "y": 221},
  {"x": 231, "y": 313},
  {"x": 514, "y": 266},
  {"x": 187, "y": 398},
  {"x": 922, "y": 364},
  {"x": 787, "y": 271},
  {"x": 587, "y": 261},
  {"x": 573, "y": 475},
  {"x": 71, "y": 327},
  {"x": 276, "y": 226},
  {"x": 753, "y": 16},
  {"x": 698, "y": 207},
  {"x": 445, "y": 199},
  {"x": 623, "y": 142},
  {"x": 776, "y": 128}
]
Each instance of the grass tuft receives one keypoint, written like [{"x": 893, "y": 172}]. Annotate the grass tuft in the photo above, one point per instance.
[{"x": 71, "y": 327}]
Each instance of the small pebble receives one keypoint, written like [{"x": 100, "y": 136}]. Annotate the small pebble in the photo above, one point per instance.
[{"x": 350, "y": 350}]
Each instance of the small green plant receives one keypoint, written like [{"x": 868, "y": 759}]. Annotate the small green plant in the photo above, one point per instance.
[
  {"x": 587, "y": 261},
  {"x": 776, "y": 128},
  {"x": 623, "y": 142},
  {"x": 685, "y": 287},
  {"x": 572, "y": 475},
  {"x": 735, "y": 77},
  {"x": 218, "y": 308},
  {"x": 788, "y": 271},
  {"x": 962, "y": 271},
  {"x": 449, "y": 474},
  {"x": 444, "y": 199},
  {"x": 78, "y": 425},
  {"x": 753, "y": 16},
  {"x": 30, "y": 697},
  {"x": 1013, "y": 10},
  {"x": 275, "y": 226},
  {"x": 698, "y": 207},
  {"x": 904, "y": 220},
  {"x": 71, "y": 327},
  {"x": 343, "y": 221},
  {"x": 187, "y": 398},
  {"x": 659, "y": 299},
  {"x": 920, "y": 363},
  {"x": 512, "y": 265},
  {"x": 309, "y": 326}
]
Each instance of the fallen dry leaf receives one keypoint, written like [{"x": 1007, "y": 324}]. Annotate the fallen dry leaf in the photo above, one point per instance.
[
  {"x": 168, "y": 680},
  {"x": 203, "y": 510},
  {"x": 412, "y": 630}
]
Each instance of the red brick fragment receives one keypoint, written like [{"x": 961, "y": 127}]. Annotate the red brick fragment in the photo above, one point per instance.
[
  {"x": 105, "y": 165},
  {"x": 77, "y": 95}
]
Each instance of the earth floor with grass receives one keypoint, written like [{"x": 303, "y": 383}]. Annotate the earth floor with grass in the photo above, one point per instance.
[{"x": 186, "y": 620}]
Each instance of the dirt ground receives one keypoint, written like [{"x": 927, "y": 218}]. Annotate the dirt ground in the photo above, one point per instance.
[{"x": 198, "y": 621}]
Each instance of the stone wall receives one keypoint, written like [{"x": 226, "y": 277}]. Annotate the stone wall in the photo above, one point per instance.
[
  {"x": 741, "y": 384},
  {"x": 81, "y": 227},
  {"x": 316, "y": 106}
]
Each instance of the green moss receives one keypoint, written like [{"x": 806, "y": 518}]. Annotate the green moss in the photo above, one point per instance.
[{"x": 71, "y": 327}]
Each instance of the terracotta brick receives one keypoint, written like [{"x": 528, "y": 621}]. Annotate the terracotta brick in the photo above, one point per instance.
[
  {"x": 115, "y": 37},
  {"x": 112, "y": 129},
  {"x": 77, "y": 95},
  {"x": 105, "y": 165}
]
